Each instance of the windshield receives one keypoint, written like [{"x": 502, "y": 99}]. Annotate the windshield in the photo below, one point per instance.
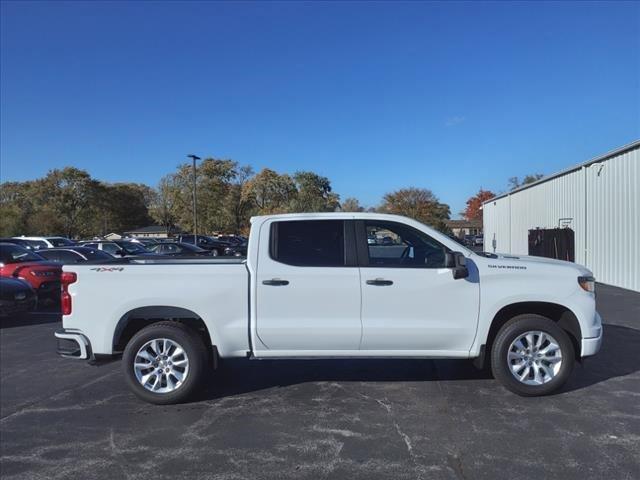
[
  {"x": 17, "y": 254},
  {"x": 60, "y": 241},
  {"x": 133, "y": 248}
]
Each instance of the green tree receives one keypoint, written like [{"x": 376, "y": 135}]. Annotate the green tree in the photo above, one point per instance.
[
  {"x": 122, "y": 207},
  {"x": 215, "y": 179},
  {"x": 514, "y": 182},
  {"x": 269, "y": 192},
  {"x": 16, "y": 208},
  {"x": 238, "y": 205},
  {"x": 313, "y": 194},
  {"x": 65, "y": 202},
  {"x": 417, "y": 203},
  {"x": 162, "y": 208},
  {"x": 351, "y": 205}
]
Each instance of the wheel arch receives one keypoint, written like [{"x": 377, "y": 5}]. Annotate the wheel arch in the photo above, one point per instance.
[
  {"x": 138, "y": 318},
  {"x": 561, "y": 314}
]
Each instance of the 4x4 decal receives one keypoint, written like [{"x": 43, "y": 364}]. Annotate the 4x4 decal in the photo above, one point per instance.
[{"x": 107, "y": 269}]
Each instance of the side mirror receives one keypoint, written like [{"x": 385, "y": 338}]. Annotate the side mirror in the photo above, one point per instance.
[{"x": 457, "y": 262}]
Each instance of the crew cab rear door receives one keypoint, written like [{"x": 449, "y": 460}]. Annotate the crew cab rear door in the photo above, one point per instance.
[
  {"x": 411, "y": 304},
  {"x": 308, "y": 288}
]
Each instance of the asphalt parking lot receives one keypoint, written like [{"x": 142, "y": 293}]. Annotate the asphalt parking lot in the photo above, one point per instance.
[{"x": 395, "y": 419}]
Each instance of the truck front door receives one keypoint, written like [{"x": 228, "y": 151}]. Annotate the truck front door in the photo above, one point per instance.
[
  {"x": 308, "y": 288},
  {"x": 411, "y": 304}
]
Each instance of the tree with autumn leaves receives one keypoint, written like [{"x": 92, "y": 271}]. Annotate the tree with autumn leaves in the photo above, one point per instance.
[{"x": 474, "y": 204}]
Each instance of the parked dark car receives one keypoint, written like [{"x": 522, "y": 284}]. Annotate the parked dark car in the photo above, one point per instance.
[
  {"x": 71, "y": 255},
  {"x": 178, "y": 249},
  {"x": 119, "y": 248},
  {"x": 469, "y": 240},
  {"x": 456, "y": 239},
  {"x": 16, "y": 297},
  {"x": 43, "y": 276},
  {"x": 28, "y": 244},
  {"x": 217, "y": 247},
  {"x": 236, "y": 240}
]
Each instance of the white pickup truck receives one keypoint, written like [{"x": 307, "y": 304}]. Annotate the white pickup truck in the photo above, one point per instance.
[{"x": 332, "y": 285}]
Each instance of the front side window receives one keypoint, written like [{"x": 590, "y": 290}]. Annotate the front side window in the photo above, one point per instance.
[
  {"x": 391, "y": 244},
  {"x": 312, "y": 243}
]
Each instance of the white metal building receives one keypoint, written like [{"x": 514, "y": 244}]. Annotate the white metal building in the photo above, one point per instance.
[{"x": 599, "y": 199}]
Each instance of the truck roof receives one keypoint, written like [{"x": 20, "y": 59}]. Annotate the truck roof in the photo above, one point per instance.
[{"x": 345, "y": 215}]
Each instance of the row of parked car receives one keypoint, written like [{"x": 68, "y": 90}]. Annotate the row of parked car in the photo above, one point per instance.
[{"x": 31, "y": 267}]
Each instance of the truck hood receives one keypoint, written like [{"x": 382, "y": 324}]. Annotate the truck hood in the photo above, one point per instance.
[{"x": 527, "y": 259}]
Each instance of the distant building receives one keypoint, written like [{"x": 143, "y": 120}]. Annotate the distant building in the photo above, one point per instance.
[
  {"x": 460, "y": 228},
  {"x": 152, "y": 231},
  {"x": 112, "y": 236}
]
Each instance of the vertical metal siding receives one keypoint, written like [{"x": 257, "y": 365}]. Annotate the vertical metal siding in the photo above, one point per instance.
[
  {"x": 605, "y": 217},
  {"x": 613, "y": 219},
  {"x": 496, "y": 226}
]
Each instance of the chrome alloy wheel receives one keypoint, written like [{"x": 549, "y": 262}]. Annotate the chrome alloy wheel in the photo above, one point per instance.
[
  {"x": 161, "y": 365},
  {"x": 534, "y": 358}
]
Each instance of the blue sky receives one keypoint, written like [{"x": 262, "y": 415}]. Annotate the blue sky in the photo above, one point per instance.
[{"x": 376, "y": 96}]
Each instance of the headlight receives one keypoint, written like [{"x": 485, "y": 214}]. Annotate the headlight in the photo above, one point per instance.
[{"x": 588, "y": 284}]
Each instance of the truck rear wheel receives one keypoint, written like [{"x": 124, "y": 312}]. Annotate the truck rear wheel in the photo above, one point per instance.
[
  {"x": 532, "y": 356},
  {"x": 164, "y": 363}
]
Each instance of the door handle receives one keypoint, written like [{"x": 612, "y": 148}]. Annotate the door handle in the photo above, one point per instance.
[
  {"x": 380, "y": 282},
  {"x": 275, "y": 282}
]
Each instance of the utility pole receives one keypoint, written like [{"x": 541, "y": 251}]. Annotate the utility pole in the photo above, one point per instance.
[{"x": 195, "y": 212}]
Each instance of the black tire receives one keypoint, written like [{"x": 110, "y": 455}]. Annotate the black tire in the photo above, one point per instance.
[
  {"x": 194, "y": 348},
  {"x": 509, "y": 332}
]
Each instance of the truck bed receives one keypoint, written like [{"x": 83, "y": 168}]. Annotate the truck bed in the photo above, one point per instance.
[{"x": 211, "y": 289}]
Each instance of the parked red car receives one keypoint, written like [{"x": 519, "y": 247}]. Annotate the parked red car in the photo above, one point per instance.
[{"x": 43, "y": 276}]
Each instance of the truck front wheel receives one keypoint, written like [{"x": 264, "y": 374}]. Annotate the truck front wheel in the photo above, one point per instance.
[
  {"x": 532, "y": 356},
  {"x": 164, "y": 363}
]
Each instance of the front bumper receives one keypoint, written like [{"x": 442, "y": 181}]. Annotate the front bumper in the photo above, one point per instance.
[
  {"x": 73, "y": 344},
  {"x": 590, "y": 346}
]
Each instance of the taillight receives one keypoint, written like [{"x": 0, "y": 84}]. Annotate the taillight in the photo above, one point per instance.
[{"x": 66, "y": 279}]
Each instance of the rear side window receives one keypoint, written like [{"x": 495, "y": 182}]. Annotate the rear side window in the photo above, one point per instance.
[
  {"x": 96, "y": 255},
  {"x": 314, "y": 243},
  {"x": 111, "y": 248}
]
